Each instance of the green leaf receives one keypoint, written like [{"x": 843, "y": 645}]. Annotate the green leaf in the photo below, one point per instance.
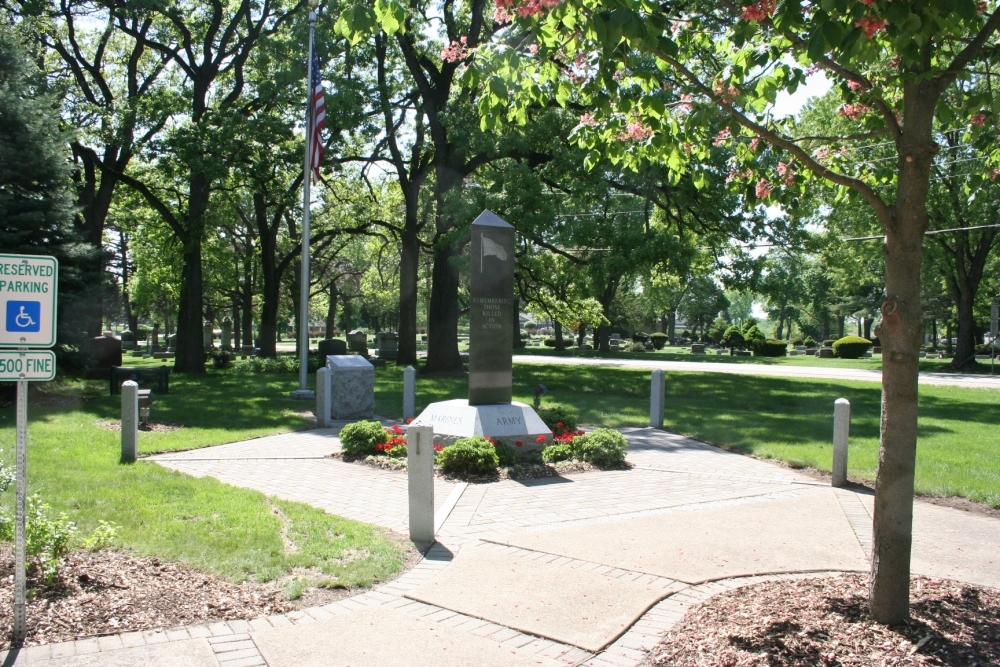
[{"x": 817, "y": 45}]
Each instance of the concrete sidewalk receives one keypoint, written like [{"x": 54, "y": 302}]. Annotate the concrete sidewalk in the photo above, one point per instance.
[
  {"x": 967, "y": 380},
  {"x": 586, "y": 569}
]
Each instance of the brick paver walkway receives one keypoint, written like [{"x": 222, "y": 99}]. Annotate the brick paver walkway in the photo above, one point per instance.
[{"x": 671, "y": 474}]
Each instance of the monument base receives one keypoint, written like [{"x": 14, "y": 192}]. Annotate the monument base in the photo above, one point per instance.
[
  {"x": 302, "y": 395},
  {"x": 508, "y": 423}
]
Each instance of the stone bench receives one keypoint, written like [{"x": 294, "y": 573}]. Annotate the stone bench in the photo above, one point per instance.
[{"x": 143, "y": 375}]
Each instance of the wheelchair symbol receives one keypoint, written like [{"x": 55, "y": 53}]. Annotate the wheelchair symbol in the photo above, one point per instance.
[
  {"x": 24, "y": 316},
  {"x": 23, "y": 319}
]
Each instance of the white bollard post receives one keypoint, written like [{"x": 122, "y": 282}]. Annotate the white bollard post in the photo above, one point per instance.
[
  {"x": 841, "y": 434},
  {"x": 323, "y": 397},
  {"x": 130, "y": 421},
  {"x": 420, "y": 479},
  {"x": 409, "y": 392},
  {"x": 657, "y": 389}
]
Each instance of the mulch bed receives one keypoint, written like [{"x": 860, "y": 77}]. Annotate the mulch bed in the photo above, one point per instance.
[
  {"x": 519, "y": 471},
  {"x": 151, "y": 427},
  {"x": 825, "y": 621},
  {"x": 109, "y": 592}
]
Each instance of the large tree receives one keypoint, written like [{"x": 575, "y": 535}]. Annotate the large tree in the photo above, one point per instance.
[{"x": 658, "y": 70}]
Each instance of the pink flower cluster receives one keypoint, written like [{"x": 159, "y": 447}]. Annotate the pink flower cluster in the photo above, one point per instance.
[
  {"x": 722, "y": 137},
  {"x": 685, "y": 104},
  {"x": 871, "y": 25},
  {"x": 854, "y": 85},
  {"x": 636, "y": 131},
  {"x": 759, "y": 11},
  {"x": 786, "y": 171},
  {"x": 588, "y": 120},
  {"x": 456, "y": 51},
  {"x": 726, "y": 93},
  {"x": 824, "y": 153},
  {"x": 853, "y": 111},
  {"x": 763, "y": 188},
  {"x": 978, "y": 119},
  {"x": 994, "y": 174},
  {"x": 733, "y": 175},
  {"x": 755, "y": 144}
]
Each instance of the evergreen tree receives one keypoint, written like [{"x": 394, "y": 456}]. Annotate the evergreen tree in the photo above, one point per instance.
[{"x": 36, "y": 199}]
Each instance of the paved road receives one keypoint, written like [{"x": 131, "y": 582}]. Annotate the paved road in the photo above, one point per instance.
[
  {"x": 776, "y": 370},
  {"x": 586, "y": 569}
]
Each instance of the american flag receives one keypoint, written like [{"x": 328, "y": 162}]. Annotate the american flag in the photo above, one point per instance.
[{"x": 316, "y": 118}]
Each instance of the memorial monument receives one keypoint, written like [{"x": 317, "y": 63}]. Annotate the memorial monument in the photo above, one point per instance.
[{"x": 489, "y": 410}]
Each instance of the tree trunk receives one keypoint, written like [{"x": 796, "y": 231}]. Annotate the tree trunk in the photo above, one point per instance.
[
  {"x": 901, "y": 332},
  {"x": 557, "y": 328},
  {"x": 672, "y": 326},
  {"x": 840, "y": 326},
  {"x": 868, "y": 328},
  {"x": 581, "y": 335},
  {"x": 237, "y": 327},
  {"x": 246, "y": 297},
  {"x": 965, "y": 351},
  {"x": 442, "y": 327},
  {"x": 408, "y": 275},
  {"x": 190, "y": 357},
  {"x": 947, "y": 345},
  {"x": 331, "y": 312}
]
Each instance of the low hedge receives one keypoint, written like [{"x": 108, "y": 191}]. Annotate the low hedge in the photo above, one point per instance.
[
  {"x": 360, "y": 438},
  {"x": 557, "y": 415},
  {"x": 475, "y": 455},
  {"x": 659, "y": 340},
  {"x": 769, "y": 348},
  {"x": 851, "y": 347},
  {"x": 603, "y": 447},
  {"x": 551, "y": 342}
]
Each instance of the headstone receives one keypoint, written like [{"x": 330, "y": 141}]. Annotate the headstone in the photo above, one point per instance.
[
  {"x": 810, "y": 351},
  {"x": 352, "y": 387},
  {"x": 795, "y": 352},
  {"x": 491, "y": 292},
  {"x": 877, "y": 349},
  {"x": 409, "y": 392},
  {"x": 172, "y": 343},
  {"x": 922, "y": 354},
  {"x": 130, "y": 421},
  {"x": 322, "y": 397},
  {"x": 420, "y": 482},
  {"x": 106, "y": 351},
  {"x": 657, "y": 390},
  {"x": 357, "y": 341},
  {"x": 615, "y": 341},
  {"x": 155, "y": 341},
  {"x": 207, "y": 335},
  {"x": 841, "y": 434},
  {"x": 127, "y": 338},
  {"x": 227, "y": 334},
  {"x": 720, "y": 352},
  {"x": 387, "y": 344},
  {"x": 697, "y": 348},
  {"x": 330, "y": 346},
  {"x": 825, "y": 353}
]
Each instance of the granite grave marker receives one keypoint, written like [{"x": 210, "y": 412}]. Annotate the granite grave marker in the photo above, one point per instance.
[{"x": 491, "y": 288}]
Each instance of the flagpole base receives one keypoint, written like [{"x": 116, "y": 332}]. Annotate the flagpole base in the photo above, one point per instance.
[{"x": 302, "y": 395}]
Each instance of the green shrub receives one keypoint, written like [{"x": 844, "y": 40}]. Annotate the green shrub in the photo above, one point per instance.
[
  {"x": 769, "y": 348},
  {"x": 559, "y": 414},
  {"x": 733, "y": 338},
  {"x": 659, "y": 340},
  {"x": 636, "y": 347},
  {"x": 851, "y": 347},
  {"x": 530, "y": 325},
  {"x": 603, "y": 447},
  {"x": 506, "y": 454},
  {"x": 640, "y": 337},
  {"x": 796, "y": 341},
  {"x": 102, "y": 537},
  {"x": 360, "y": 438},
  {"x": 829, "y": 342},
  {"x": 752, "y": 334},
  {"x": 556, "y": 453},
  {"x": 222, "y": 360},
  {"x": 6, "y": 476},
  {"x": 809, "y": 341},
  {"x": 551, "y": 342},
  {"x": 475, "y": 455}
]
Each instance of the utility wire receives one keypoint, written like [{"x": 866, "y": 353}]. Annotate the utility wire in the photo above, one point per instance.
[{"x": 927, "y": 233}]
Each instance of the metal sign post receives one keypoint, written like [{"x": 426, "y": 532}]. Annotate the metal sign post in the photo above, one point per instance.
[
  {"x": 994, "y": 316},
  {"x": 28, "y": 286}
]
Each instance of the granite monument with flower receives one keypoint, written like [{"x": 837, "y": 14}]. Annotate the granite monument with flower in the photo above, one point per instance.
[{"x": 489, "y": 410}]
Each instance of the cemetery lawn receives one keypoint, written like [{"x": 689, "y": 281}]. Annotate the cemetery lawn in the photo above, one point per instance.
[
  {"x": 790, "y": 419},
  {"x": 237, "y": 533}
]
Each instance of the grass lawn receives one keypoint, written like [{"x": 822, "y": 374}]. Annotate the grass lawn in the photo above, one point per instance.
[
  {"x": 234, "y": 532},
  {"x": 683, "y": 354},
  {"x": 791, "y": 419}
]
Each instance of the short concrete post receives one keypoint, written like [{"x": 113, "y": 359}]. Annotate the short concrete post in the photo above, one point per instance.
[
  {"x": 420, "y": 478},
  {"x": 130, "y": 421},
  {"x": 323, "y": 397},
  {"x": 409, "y": 392},
  {"x": 841, "y": 434},
  {"x": 657, "y": 389}
]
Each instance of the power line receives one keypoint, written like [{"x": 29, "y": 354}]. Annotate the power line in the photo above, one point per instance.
[{"x": 927, "y": 233}]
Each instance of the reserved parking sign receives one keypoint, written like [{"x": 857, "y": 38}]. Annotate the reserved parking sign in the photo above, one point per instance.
[{"x": 28, "y": 300}]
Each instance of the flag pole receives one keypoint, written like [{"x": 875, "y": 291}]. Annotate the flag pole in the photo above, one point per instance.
[{"x": 303, "y": 391}]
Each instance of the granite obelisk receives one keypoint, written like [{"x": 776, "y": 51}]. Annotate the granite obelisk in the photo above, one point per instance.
[
  {"x": 489, "y": 411},
  {"x": 491, "y": 288}
]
